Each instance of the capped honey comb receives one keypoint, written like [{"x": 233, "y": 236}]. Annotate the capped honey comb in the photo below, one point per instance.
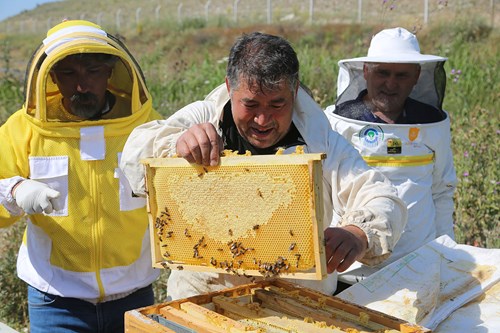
[{"x": 250, "y": 215}]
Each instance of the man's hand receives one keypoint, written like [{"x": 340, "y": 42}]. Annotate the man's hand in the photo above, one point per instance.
[
  {"x": 344, "y": 246},
  {"x": 35, "y": 197},
  {"x": 200, "y": 144}
]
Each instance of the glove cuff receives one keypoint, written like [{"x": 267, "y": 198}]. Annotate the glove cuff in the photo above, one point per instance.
[{"x": 6, "y": 197}]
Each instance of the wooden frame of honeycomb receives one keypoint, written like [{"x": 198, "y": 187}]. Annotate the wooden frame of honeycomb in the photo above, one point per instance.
[{"x": 250, "y": 215}]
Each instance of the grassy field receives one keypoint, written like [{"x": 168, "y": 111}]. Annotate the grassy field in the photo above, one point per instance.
[{"x": 182, "y": 63}]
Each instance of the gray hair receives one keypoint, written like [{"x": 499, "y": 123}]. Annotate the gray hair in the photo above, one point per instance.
[{"x": 264, "y": 61}]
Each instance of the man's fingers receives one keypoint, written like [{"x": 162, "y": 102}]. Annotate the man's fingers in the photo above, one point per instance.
[
  {"x": 342, "y": 248},
  {"x": 216, "y": 150},
  {"x": 205, "y": 140},
  {"x": 200, "y": 144},
  {"x": 183, "y": 150},
  {"x": 338, "y": 255},
  {"x": 349, "y": 259},
  {"x": 189, "y": 147}
]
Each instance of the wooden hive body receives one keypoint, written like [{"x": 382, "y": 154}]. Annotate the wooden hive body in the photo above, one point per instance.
[{"x": 264, "y": 307}]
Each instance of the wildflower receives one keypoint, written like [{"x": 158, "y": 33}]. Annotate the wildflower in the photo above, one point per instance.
[
  {"x": 455, "y": 73},
  {"x": 466, "y": 153},
  {"x": 466, "y": 174}
]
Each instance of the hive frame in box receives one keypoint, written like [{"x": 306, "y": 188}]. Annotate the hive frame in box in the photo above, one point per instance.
[
  {"x": 239, "y": 241},
  {"x": 206, "y": 313}
]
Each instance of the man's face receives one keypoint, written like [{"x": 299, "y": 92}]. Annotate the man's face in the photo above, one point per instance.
[
  {"x": 83, "y": 85},
  {"x": 262, "y": 118},
  {"x": 390, "y": 84}
]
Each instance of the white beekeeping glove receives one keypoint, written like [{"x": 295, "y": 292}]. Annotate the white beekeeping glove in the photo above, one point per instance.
[{"x": 35, "y": 197}]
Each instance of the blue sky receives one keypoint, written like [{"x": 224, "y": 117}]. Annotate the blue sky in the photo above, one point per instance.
[{"x": 13, "y": 7}]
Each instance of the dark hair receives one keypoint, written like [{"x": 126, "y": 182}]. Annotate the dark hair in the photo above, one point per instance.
[{"x": 264, "y": 61}]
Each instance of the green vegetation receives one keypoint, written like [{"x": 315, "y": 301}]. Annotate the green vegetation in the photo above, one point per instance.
[{"x": 183, "y": 65}]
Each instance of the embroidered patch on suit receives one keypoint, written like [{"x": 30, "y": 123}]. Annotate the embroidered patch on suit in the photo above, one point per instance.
[
  {"x": 371, "y": 135},
  {"x": 394, "y": 146}
]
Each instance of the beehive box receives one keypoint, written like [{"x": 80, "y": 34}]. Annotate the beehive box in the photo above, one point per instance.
[
  {"x": 272, "y": 306},
  {"x": 250, "y": 215}
]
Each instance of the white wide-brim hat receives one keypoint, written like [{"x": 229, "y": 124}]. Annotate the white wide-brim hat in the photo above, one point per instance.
[{"x": 396, "y": 45}]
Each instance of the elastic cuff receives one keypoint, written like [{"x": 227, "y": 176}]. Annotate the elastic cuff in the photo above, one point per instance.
[
  {"x": 8, "y": 200},
  {"x": 359, "y": 219}
]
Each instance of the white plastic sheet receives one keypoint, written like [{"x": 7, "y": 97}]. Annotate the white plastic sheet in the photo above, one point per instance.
[
  {"x": 429, "y": 284},
  {"x": 479, "y": 316}
]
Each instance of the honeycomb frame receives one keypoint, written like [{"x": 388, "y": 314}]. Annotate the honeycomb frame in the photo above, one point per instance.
[{"x": 250, "y": 215}]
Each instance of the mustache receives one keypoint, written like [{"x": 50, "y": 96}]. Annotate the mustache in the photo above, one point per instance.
[{"x": 83, "y": 98}]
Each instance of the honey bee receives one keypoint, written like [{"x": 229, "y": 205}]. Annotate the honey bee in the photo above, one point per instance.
[
  {"x": 292, "y": 246},
  {"x": 256, "y": 227},
  {"x": 166, "y": 213},
  {"x": 291, "y": 232},
  {"x": 230, "y": 232},
  {"x": 180, "y": 267},
  {"x": 186, "y": 233},
  {"x": 298, "y": 258},
  {"x": 259, "y": 193}
]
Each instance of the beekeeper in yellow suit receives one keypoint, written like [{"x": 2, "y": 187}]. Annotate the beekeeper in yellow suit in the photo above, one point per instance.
[{"x": 86, "y": 253}]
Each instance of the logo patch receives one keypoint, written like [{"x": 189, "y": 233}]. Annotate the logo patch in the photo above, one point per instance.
[
  {"x": 394, "y": 146},
  {"x": 371, "y": 135},
  {"x": 413, "y": 133}
]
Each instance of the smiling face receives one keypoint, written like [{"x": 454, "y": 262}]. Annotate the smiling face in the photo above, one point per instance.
[
  {"x": 262, "y": 118},
  {"x": 389, "y": 84},
  {"x": 83, "y": 84}
]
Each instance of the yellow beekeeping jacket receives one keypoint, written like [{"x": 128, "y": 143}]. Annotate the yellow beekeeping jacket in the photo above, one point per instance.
[{"x": 97, "y": 247}]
